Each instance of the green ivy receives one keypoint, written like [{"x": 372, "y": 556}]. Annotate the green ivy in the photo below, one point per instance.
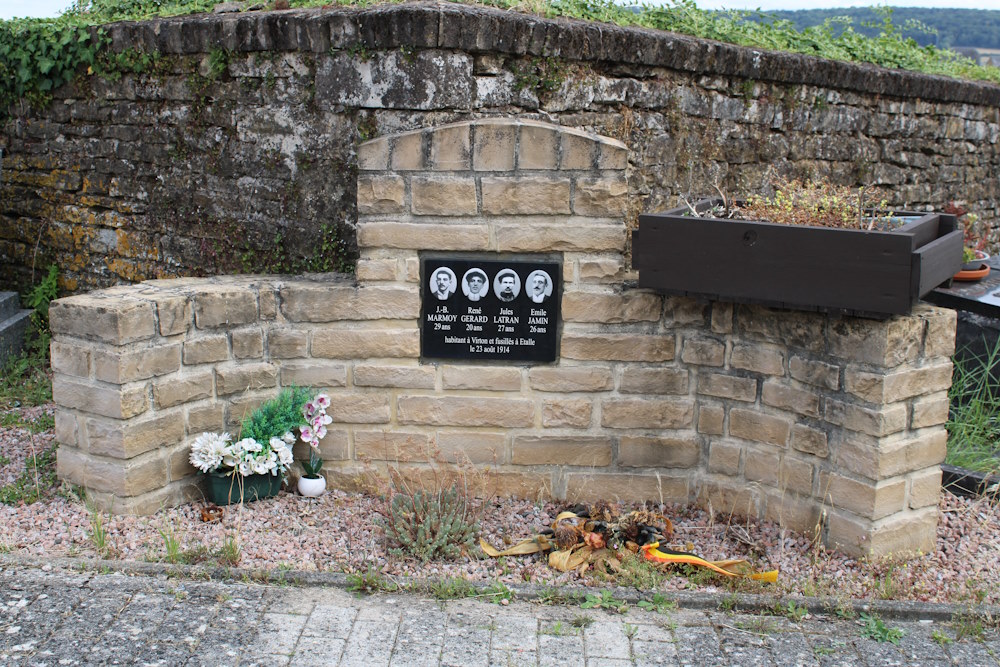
[{"x": 39, "y": 55}]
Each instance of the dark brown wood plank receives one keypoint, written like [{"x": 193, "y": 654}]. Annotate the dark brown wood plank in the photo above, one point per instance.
[{"x": 939, "y": 260}]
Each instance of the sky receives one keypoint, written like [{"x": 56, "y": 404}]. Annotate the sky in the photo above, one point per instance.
[{"x": 12, "y": 8}]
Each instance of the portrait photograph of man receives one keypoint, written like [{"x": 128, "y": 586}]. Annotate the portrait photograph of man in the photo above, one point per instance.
[
  {"x": 538, "y": 286},
  {"x": 507, "y": 285},
  {"x": 475, "y": 284},
  {"x": 443, "y": 283}
]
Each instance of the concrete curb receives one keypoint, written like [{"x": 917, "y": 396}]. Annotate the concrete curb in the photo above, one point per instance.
[{"x": 899, "y": 610}]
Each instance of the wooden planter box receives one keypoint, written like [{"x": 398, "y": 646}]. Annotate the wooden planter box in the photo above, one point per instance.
[{"x": 872, "y": 274}]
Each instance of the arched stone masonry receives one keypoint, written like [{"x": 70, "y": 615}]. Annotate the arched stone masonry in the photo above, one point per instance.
[{"x": 808, "y": 419}]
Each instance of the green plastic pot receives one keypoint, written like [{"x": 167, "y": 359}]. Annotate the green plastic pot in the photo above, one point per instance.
[{"x": 226, "y": 489}]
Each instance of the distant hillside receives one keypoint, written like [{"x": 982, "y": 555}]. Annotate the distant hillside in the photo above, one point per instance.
[{"x": 978, "y": 28}]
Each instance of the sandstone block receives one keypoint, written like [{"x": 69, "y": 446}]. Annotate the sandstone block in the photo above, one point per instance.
[
  {"x": 703, "y": 352},
  {"x": 612, "y": 154},
  {"x": 538, "y": 149},
  {"x": 374, "y": 155},
  {"x": 405, "y": 377},
  {"x": 624, "y": 487},
  {"x": 173, "y": 314},
  {"x": 542, "y": 237},
  {"x": 631, "y": 306},
  {"x": 796, "y": 475},
  {"x": 248, "y": 344},
  {"x": 334, "y": 447},
  {"x": 647, "y": 413},
  {"x": 70, "y": 359},
  {"x": 877, "y": 460},
  {"x": 380, "y": 195},
  {"x": 567, "y": 412},
  {"x": 267, "y": 302},
  {"x": 730, "y": 496},
  {"x": 570, "y": 378},
  {"x": 376, "y": 269},
  {"x": 466, "y": 411},
  {"x": 898, "y": 385},
  {"x": 685, "y": 310},
  {"x": 869, "y": 500},
  {"x": 762, "y": 466},
  {"x": 791, "y": 512},
  {"x": 641, "y": 380},
  {"x": 115, "y": 402},
  {"x": 887, "y": 343},
  {"x": 727, "y": 386},
  {"x": 360, "y": 344},
  {"x": 451, "y": 149},
  {"x": 360, "y": 408},
  {"x": 418, "y": 236},
  {"x": 236, "y": 379},
  {"x": 176, "y": 493},
  {"x": 492, "y": 378},
  {"x": 722, "y": 318},
  {"x": 505, "y": 483},
  {"x": 814, "y": 372},
  {"x": 711, "y": 419},
  {"x": 724, "y": 458},
  {"x": 579, "y": 150},
  {"x": 206, "y": 418},
  {"x": 759, "y": 427},
  {"x": 600, "y": 269},
  {"x": 525, "y": 195},
  {"x": 71, "y": 465},
  {"x": 287, "y": 344},
  {"x": 757, "y": 359},
  {"x": 880, "y": 422},
  {"x": 185, "y": 388},
  {"x": 224, "y": 307},
  {"x": 127, "y": 439},
  {"x": 67, "y": 430},
  {"x": 930, "y": 411},
  {"x": 179, "y": 462},
  {"x": 617, "y": 347},
  {"x": 925, "y": 488},
  {"x": 604, "y": 197},
  {"x": 441, "y": 195},
  {"x": 117, "y": 320},
  {"x": 791, "y": 328},
  {"x": 909, "y": 532},
  {"x": 939, "y": 340},
  {"x": 124, "y": 478},
  {"x": 313, "y": 373},
  {"x": 407, "y": 152},
  {"x": 659, "y": 452},
  {"x": 493, "y": 147},
  {"x": 121, "y": 367},
  {"x": 571, "y": 450},
  {"x": 393, "y": 446},
  {"x": 328, "y": 303},
  {"x": 810, "y": 441},
  {"x": 778, "y": 394},
  {"x": 475, "y": 447},
  {"x": 206, "y": 350}
]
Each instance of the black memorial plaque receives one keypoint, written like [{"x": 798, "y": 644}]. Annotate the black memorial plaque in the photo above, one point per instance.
[{"x": 489, "y": 310}]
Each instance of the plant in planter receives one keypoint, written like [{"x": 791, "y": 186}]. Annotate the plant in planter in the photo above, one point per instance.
[
  {"x": 976, "y": 237},
  {"x": 255, "y": 465},
  {"x": 312, "y": 483},
  {"x": 811, "y": 246}
]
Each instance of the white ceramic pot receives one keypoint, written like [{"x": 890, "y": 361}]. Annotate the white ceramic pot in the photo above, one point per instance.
[{"x": 311, "y": 488}]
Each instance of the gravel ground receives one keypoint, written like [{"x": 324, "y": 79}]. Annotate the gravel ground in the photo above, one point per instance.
[{"x": 339, "y": 532}]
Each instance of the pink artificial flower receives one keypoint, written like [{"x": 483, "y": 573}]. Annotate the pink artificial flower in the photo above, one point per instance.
[
  {"x": 307, "y": 433},
  {"x": 323, "y": 401}
]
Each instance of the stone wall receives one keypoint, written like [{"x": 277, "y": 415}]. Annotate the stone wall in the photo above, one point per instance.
[
  {"x": 814, "y": 421},
  {"x": 237, "y": 150}
]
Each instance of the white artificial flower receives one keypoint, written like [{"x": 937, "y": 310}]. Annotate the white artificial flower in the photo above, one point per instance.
[
  {"x": 246, "y": 468},
  {"x": 285, "y": 457},
  {"x": 276, "y": 444},
  {"x": 289, "y": 438},
  {"x": 250, "y": 445},
  {"x": 260, "y": 466},
  {"x": 208, "y": 451}
]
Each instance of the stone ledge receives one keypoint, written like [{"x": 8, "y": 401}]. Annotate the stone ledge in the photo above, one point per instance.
[{"x": 481, "y": 29}]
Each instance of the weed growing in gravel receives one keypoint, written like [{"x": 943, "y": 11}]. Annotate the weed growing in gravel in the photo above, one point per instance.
[
  {"x": 758, "y": 625},
  {"x": 660, "y": 604},
  {"x": 451, "y": 589},
  {"x": 729, "y": 604},
  {"x": 875, "y": 628},
  {"x": 98, "y": 531},
  {"x": 940, "y": 638},
  {"x": 498, "y": 593},
  {"x": 370, "y": 580},
  {"x": 39, "y": 474},
  {"x": 429, "y": 524},
  {"x": 556, "y": 596},
  {"x": 974, "y": 397},
  {"x": 790, "y": 610},
  {"x": 582, "y": 621},
  {"x": 604, "y": 600},
  {"x": 230, "y": 552},
  {"x": 969, "y": 624},
  {"x": 638, "y": 573},
  {"x": 557, "y": 629}
]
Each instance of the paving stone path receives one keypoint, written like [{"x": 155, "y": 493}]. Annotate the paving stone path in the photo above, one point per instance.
[{"x": 55, "y": 616}]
